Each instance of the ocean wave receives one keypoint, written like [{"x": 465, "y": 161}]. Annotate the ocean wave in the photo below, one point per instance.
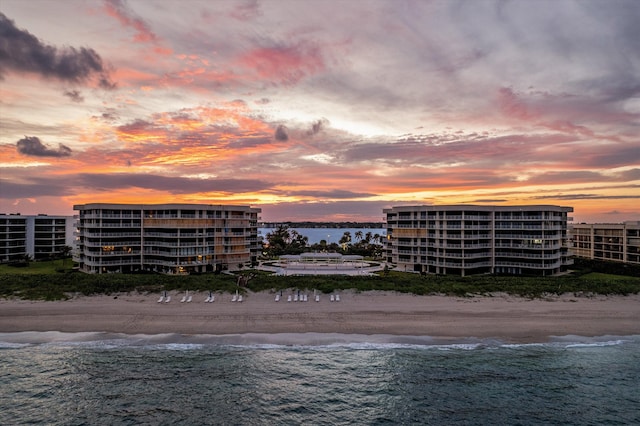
[
  {"x": 598, "y": 344},
  {"x": 573, "y": 341},
  {"x": 315, "y": 341}
]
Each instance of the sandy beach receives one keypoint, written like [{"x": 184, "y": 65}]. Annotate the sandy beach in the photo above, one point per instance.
[{"x": 502, "y": 317}]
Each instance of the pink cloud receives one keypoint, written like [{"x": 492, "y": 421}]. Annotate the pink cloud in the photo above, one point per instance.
[
  {"x": 286, "y": 65},
  {"x": 512, "y": 107},
  {"x": 119, "y": 10},
  {"x": 561, "y": 113}
]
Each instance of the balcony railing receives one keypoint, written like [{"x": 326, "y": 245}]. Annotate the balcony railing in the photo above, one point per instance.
[
  {"x": 528, "y": 255},
  {"x": 108, "y": 216},
  {"x": 107, "y": 235},
  {"x": 541, "y": 265},
  {"x": 87, "y": 243},
  {"x": 104, "y": 262}
]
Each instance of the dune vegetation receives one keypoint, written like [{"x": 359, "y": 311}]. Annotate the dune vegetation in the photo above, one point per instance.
[{"x": 53, "y": 281}]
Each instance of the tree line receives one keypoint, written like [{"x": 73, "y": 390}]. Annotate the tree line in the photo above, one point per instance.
[{"x": 284, "y": 240}]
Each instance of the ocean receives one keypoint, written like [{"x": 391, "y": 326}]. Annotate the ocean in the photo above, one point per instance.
[
  {"x": 315, "y": 379},
  {"x": 330, "y": 235}
]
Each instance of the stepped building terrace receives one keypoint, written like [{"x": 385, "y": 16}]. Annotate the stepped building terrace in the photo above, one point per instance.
[
  {"x": 166, "y": 238},
  {"x": 467, "y": 239}
]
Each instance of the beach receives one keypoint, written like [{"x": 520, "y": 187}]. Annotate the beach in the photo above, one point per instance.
[{"x": 500, "y": 316}]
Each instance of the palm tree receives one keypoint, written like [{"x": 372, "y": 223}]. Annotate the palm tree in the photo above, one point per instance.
[
  {"x": 367, "y": 238},
  {"x": 345, "y": 240},
  {"x": 358, "y": 235}
]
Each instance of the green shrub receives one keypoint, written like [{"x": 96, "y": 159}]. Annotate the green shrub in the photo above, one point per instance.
[{"x": 41, "y": 281}]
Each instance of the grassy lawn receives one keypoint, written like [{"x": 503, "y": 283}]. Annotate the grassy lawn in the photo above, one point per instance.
[
  {"x": 47, "y": 267},
  {"x": 46, "y": 281}
]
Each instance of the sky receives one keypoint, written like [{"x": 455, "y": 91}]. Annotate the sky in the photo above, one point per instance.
[{"x": 327, "y": 110}]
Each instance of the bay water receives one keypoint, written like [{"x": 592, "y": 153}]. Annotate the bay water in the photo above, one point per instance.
[
  {"x": 330, "y": 235},
  {"x": 52, "y": 378}
]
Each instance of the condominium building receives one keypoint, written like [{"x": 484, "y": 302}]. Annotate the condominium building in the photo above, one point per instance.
[
  {"x": 467, "y": 239},
  {"x": 617, "y": 242},
  {"x": 166, "y": 238},
  {"x": 40, "y": 237}
]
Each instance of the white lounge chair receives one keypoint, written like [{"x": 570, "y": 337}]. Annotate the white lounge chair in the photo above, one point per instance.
[
  {"x": 337, "y": 297},
  {"x": 207, "y": 300},
  {"x": 240, "y": 299},
  {"x": 168, "y": 299},
  {"x": 234, "y": 298},
  {"x": 317, "y": 297},
  {"x": 295, "y": 298},
  {"x": 277, "y": 297},
  {"x": 184, "y": 299},
  {"x": 189, "y": 299},
  {"x": 213, "y": 299},
  {"x": 161, "y": 299},
  {"x": 332, "y": 298},
  {"x": 289, "y": 298}
]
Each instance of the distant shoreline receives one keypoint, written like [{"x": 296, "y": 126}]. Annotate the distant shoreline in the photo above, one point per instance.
[
  {"x": 332, "y": 225},
  {"x": 504, "y": 317}
]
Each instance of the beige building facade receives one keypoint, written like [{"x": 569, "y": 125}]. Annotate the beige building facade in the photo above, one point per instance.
[
  {"x": 166, "y": 238},
  {"x": 617, "y": 242},
  {"x": 467, "y": 239}
]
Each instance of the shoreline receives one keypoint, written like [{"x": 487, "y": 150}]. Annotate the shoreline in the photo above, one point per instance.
[{"x": 447, "y": 318}]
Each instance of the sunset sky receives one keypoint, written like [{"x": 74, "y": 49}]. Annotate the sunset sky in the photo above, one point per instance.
[{"x": 321, "y": 110}]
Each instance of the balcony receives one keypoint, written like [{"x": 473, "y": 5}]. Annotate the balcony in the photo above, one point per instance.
[
  {"x": 104, "y": 262},
  {"x": 119, "y": 253},
  {"x": 463, "y": 255},
  {"x": 509, "y": 254},
  {"x": 107, "y": 235},
  {"x": 130, "y": 243},
  {"x": 540, "y": 265},
  {"x": 524, "y": 236}
]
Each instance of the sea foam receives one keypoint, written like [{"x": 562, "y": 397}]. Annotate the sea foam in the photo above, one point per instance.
[{"x": 318, "y": 341}]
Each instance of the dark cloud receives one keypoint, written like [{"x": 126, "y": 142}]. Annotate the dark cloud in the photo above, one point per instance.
[
  {"x": 585, "y": 197},
  {"x": 572, "y": 176},
  {"x": 31, "y": 145},
  {"x": 321, "y": 211},
  {"x": 35, "y": 187},
  {"x": 74, "y": 95},
  {"x": 135, "y": 126},
  {"x": 250, "y": 142},
  {"x": 611, "y": 156},
  {"x": 10, "y": 126},
  {"x": 174, "y": 185},
  {"x": 106, "y": 83},
  {"x": 490, "y": 200},
  {"x": 246, "y": 11},
  {"x": 109, "y": 115},
  {"x": 21, "y": 51},
  {"x": 631, "y": 174},
  {"x": 333, "y": 194},
  {"x": 282, "y": 133},
  {"x": 318, "y": 126}
]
